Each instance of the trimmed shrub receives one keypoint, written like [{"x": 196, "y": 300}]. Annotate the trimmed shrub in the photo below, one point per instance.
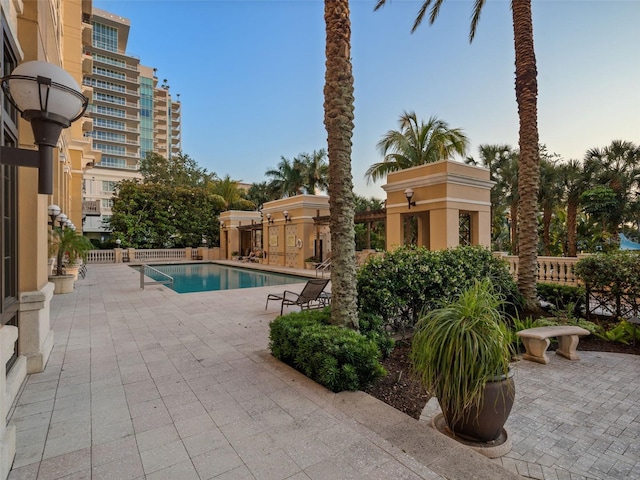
[
  {"x": 402, "y": 284},
  {"x": 562, "y": 297},
  {"x": 338, "y": 358},
  {"x": 618, "y": 272}
]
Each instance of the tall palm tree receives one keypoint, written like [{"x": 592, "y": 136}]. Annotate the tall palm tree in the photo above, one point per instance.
[
  {"x": 230, "y": 191},
  {"x": 416, "y": 143},
  {"x": 526, "y": 97},
  {"x": 575, "y": 181},
  {"x": 338, "y": 121},
  {"x": 495, "y": 158},
  {"x": 549, "y": 197}
]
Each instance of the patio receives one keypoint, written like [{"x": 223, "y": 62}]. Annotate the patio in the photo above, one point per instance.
[{"x": 153, "y": 384}]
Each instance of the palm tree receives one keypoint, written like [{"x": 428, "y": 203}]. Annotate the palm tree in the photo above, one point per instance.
[
  {"x": 618, "y": 167},
  {"x": 550, "y": 196},
  {"x": 416, "y": 143},
  {"x": 575, "y": 182},
  {"x": 287, "y": 179},
  {"x": 526, "y": 97},
  {"x": 338, "y": 121},
  {"x": 233, "y": 196},
  {"x": 495, "y": 158},
  {"x": 315, "y": 171}
]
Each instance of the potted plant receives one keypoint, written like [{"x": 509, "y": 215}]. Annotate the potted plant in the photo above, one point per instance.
[
  {"x": 311, "y": 262},
  {"x": 66, "y": 242},
  {"x": 235, "y": 255},
  {"x": 461, "y": 353}
]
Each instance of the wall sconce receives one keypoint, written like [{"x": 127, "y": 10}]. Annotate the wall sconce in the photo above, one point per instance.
[
  {"x": 221, "y": 224},
  {"x": 409, "y": 194},
  {"x": 286, "y": 216},
  {"x": 269, "y": 219},
  {"x": 49, "y": 98}
]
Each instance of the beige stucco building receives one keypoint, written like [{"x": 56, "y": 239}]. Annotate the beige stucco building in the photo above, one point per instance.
[
  {"x": 286, "y": 231},
  {"x": 50, "y": 31},
  {"x": 451, "y": 202}
]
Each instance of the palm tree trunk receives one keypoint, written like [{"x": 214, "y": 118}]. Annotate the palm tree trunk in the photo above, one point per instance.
[
  {"x": 546, "y": 230},
  {"x": 514, "y": 228},
  {"x": 529, "y": 169},
  {"x": 338, "y": 120},
  {"x": 572, "y": 215}
]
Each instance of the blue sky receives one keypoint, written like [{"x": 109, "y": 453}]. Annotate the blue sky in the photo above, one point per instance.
[{"x": 250, "y": 75}]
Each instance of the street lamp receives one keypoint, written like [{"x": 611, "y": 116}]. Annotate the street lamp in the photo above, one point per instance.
[
  {"x": 409, "y": 194},
  {"x": 50, "y": 99}
]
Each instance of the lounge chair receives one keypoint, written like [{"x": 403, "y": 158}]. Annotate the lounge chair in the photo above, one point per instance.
[{"x": 311, "y": 296}]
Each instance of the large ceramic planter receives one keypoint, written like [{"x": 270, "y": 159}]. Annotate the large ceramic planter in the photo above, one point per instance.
[
  {"x": 486, "y": 422},
  {"x": 62, "y": 283}
]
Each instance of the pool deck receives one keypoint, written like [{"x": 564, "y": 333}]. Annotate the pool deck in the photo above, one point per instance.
[{"x": 154, "y": 384}]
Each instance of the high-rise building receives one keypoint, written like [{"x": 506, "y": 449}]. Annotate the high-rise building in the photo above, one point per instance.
[{"x": 132, "y": 116}]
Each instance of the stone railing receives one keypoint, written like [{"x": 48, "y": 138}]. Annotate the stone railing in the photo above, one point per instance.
[
  {"x": 119, "y": 255},
  {"x": 550, "y": 269},
  {"x": 159, "y": 254},
  {"x": 101, "y": 256}
]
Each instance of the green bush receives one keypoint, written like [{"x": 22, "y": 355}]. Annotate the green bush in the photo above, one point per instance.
[
  {"x": 562, "y": 297},
  {"x": 338, "y": 358},
  {"x": 617, "y": 272},
  {"x": 402, "y": 284}
]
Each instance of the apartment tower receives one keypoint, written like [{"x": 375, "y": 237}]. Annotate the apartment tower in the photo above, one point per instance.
[{"x": 131, "y": 114}]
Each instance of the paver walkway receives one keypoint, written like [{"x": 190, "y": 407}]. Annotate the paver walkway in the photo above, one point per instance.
[{"x": 153, "y": 384}]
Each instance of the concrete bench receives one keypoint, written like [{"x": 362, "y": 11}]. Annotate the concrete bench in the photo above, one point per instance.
[{"x": 536, "y": 342}]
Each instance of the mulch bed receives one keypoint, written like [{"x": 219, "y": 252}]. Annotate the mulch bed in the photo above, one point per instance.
[{"x": 403, "y": 392}]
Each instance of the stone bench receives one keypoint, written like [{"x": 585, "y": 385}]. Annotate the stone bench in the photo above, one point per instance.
[{"x": 536, "y": 342}]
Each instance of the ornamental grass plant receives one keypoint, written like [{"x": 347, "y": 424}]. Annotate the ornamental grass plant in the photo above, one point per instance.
[{"x": 462, "y": 345}]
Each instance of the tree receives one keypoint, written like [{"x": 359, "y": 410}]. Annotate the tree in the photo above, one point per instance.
[
  {"x": 498, "y": 159},
  {"x": 416, "y": 143},
  {"x": 178, "y": 170},
  {"x": 286, "y": 179},
  {"x": 261, "y": 193},
  {"x": 550, "y": 196},
  {"x": 157, "y": 216},
  {"x": 231, "y": 194},
  {"x": 575, "y": 181},
  {"x": 338, "y": 121},
  {"x": 618, "y": 167},
  {"x": 306, "y": 173},
  {"x": 315, "y": 171},
  {"x": 526, "y": 98}
]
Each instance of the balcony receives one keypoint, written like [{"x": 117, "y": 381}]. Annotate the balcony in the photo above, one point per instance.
[
  {"x": 87, "y": 64},
  {"x": 87, "y": 30},
  {"x": 87, "y": 124},
  {"x": 91, "y": 208}
]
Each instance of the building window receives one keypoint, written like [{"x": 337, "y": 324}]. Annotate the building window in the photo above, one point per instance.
[
  {"x": 105, "y": 37},
  {"x": 465, "y": 229},
  {"x": 107, "y": 202},
  {"x": 9, "y": 204},
  {"x": 108, "y": 185}
]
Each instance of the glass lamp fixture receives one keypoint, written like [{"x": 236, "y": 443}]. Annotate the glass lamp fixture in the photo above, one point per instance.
[
  {"x": 50, "y": 99},
  {"x": 409, "y": 194}
]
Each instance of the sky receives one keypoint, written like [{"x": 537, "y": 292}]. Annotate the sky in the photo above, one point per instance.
[{"x": 250, "y": 74}]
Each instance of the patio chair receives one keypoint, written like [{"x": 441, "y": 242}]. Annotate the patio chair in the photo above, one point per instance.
[{"x": 311, "y": 296}]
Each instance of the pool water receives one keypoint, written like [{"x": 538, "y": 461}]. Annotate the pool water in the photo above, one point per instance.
[{"x": 205, "y": 277}]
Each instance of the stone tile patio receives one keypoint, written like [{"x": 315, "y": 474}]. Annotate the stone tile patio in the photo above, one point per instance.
[{"x": 153, "y": 384}]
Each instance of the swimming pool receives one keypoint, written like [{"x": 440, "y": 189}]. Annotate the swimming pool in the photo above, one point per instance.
[{"x": 205, "y": 277}]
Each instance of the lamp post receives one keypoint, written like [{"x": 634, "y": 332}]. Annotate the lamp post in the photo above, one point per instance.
[{"x": 50, "y": 99}]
